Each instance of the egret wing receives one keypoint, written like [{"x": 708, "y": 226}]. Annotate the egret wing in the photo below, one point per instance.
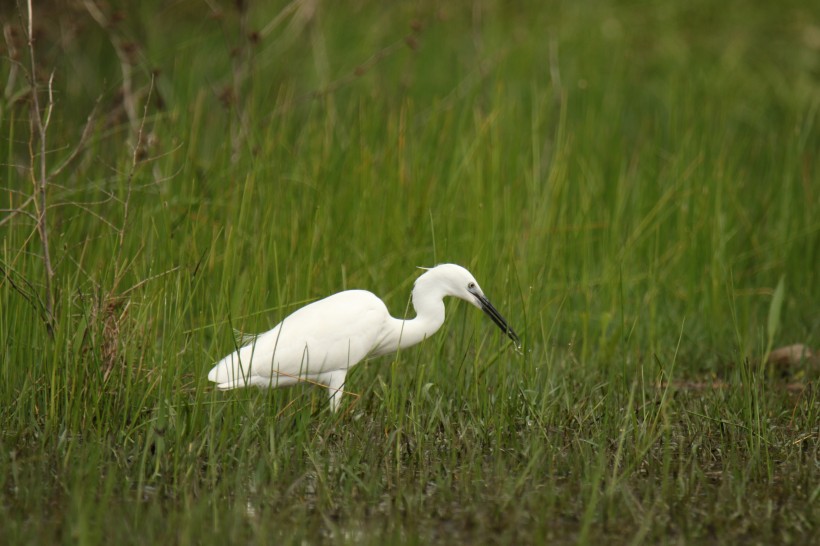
[{"x": 331, "y": 334}]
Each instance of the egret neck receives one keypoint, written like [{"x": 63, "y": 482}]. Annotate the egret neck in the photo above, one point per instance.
[{"x": 428, "y": 301}]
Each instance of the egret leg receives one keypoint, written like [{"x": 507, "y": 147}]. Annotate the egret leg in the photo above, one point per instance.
[{"x": 335, "y": 381}]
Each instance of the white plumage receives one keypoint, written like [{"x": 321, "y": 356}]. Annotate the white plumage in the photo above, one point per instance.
[{"x": 323, "y": 340}]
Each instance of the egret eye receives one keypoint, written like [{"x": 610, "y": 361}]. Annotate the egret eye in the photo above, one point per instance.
[{"x": 471, "y": 286}]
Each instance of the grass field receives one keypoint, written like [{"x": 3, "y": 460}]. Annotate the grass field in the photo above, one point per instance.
[{"x": 630, "y": 182}]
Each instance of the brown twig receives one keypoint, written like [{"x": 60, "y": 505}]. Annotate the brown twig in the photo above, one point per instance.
[
  {"x": 40, "y": 122},
  {"x": 30, "y": 295},
  {"x": 81, "y": 144},
  {"x": 19, "y": 210}
]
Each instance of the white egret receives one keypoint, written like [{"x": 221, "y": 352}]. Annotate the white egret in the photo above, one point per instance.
[{"x": 320, "y": 342}]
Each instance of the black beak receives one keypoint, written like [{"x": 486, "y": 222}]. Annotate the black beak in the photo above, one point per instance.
[{"x": 493, "y": 313}]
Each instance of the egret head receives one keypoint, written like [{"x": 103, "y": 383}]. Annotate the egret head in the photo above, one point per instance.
[{"x": 456, "y": 281}]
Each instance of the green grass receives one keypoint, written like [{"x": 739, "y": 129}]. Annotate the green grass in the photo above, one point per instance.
[{"x": 628, "y": 181}]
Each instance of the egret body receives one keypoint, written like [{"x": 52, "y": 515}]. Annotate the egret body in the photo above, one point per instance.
[{"x": 321, "y": 341}]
